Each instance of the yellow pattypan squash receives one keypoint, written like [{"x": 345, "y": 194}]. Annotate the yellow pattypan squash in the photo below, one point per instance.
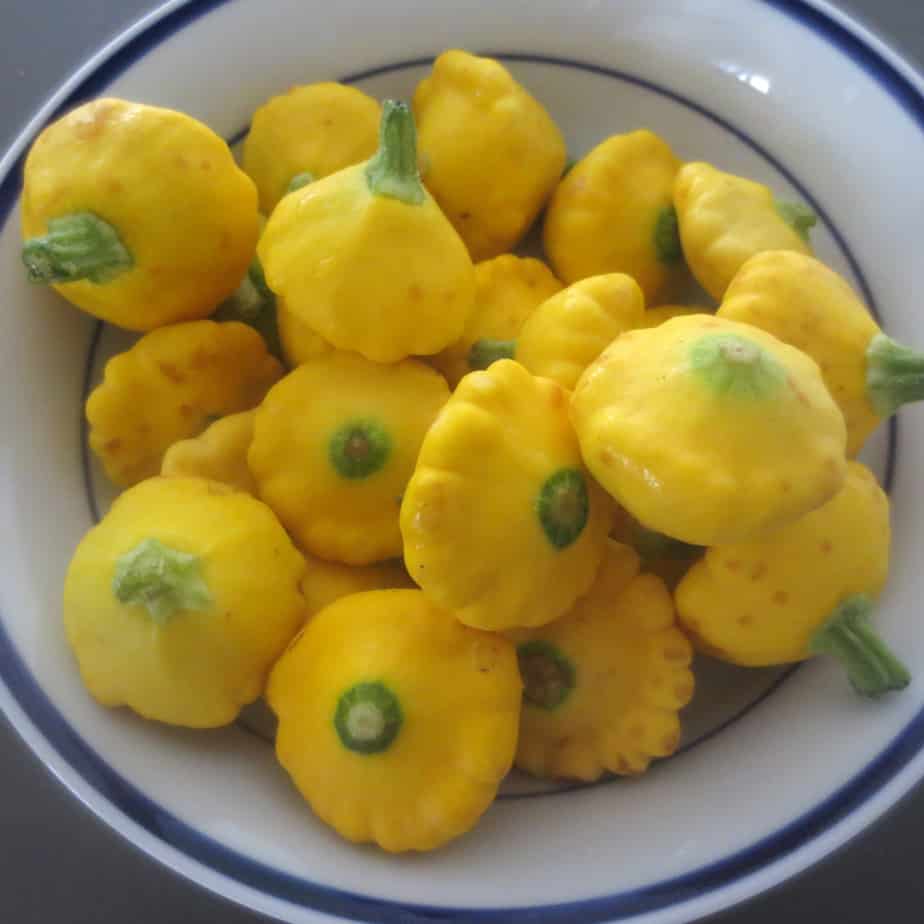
[
  {"x": 725, "y": 219},
  {"x": 507, "y": 290},
  {"x": 135, "y": 214},
  {"x": 654, "y": 317},
  {"x": 161, "y": 614},
  {"x": 169, "y": 386},
  {"x": 493, "y": 153},
  {"x": 708, "y": 430},
  {"x": 567, "y": 332},
  {"x": 327, "y": 581},
  {"x": 604, "y": 684},
  {"x": 366, "y": 258},
  {"x": 612, "y": 213},
  {"x": 800, "y": 300},
  {"x": 396, "y": 722},
  {"x": 219, "y": 453},
  {"x": 307, "y": 133},
  {"x": 299, "y": 341},
  {"x": 501, "y": 522},
  {"x": 334, "y": 445},
  {"x": 806, "y": 589}
]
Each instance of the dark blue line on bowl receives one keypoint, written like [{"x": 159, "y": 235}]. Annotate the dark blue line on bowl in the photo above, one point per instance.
[
  {"x": 140, "y": 809},
  {"x": 86, "y": 462}
]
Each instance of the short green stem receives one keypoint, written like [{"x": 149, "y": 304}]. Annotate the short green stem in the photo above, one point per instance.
[
  {"x": 77, "y": 246},
  {"x": 563, "y": 506},
  {"x": 667, "y": 236},
  {"x": 368, "y": 718},
  {"x": 392, "y": 170},
  {"x": 798, "y": 216},
  {"x": 894, "y": 375},
  {"x": 300, "y": 180},
  {"x": 548, "y": 675},
  {"x": 849, "y": 636},
  {"x": 735, "y": 366},
  {"x": 253, "y": 303},
  {"x": 359, "y": 449},
  {"x": 161, "y": 579},
  {"x": 486, "y": 351}
]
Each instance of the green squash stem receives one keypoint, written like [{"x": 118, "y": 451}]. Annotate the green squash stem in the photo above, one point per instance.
[
  {"x": 392, "y": 170},
  {"x": 486, "y": 351},
  {"x": 253, "y": 303},
  {"x": 848, "y": 635},
  {"x": 894, "y": 375},
  {"x": 734, "y": 366},
  {"x": 300, "y": 180},
  {"x": 798, "y": 216},
  {"x": 161, "y": 579},
  {"x": 77, "y": 246}
]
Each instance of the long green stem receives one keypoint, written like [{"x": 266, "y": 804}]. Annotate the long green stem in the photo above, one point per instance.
[
  {"x": 849, "y": 636},
  {"x": 392, "y": 170},
  {"x": 798, "y": 216},
  {"x": 77, "y": 246},
  {"x": 894, "y": 375}
]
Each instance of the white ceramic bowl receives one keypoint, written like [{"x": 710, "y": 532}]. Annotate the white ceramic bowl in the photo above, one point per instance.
[{"x": 777, "y": 769}]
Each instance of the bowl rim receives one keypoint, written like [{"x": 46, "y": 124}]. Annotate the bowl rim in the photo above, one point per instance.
[{"x": 792, "y": 848}]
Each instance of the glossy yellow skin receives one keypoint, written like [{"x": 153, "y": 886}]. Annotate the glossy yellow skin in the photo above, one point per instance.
[
  {"x": 632, "y": 677},
  {"x": 351, "y": 520},
  {"x": 299, "y": 342},
  {"x": 759, "y": 603},
  {"x": 169, "y": 186},
  {"x": 654, "y": 317},
  {"x": 725, "y": 219},
  {"x": 507, "y": 290},
  {"x": 370, "y": 274},
  {"x": 603, "y": 215},
  {"x": 799, "y": 300},
  {"x": 327, "y": 581},
  {"x": 493, "y": 184},
  {"x": 704, "y": 466},
  {"x": 219, "y": 453},
  {"x": 567, "y": 332},
  {"x": 168, "y": 387},
  {"x": 200, "y": 667},
  {"x": 459, "y": 691},
  {"x": 472, "y": 537},
  {"x": 319, "y": 128}
]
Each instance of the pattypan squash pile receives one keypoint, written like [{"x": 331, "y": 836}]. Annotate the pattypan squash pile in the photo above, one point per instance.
[{"x": 449, "y": 507}]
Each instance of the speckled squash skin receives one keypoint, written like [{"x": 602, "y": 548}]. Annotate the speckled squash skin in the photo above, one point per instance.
[
  {"x": 759, "y": 603},
  {"x": 423, "y": 774},
  {"x": 168, "y": 387},
  {"x": 708, "y": 430},
  {"x": 170, "y": 188},
  {"x": 605, "y": 683}
]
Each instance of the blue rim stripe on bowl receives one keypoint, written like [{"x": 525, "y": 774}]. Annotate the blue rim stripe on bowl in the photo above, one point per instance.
[{"x": 134, "y": 804}]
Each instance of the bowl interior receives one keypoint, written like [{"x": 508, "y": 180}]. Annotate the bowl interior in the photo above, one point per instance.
[{"x": 762, "y": 748}]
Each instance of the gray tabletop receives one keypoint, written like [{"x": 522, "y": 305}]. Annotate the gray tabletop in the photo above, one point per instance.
[{"x": 58, "y": 864}]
